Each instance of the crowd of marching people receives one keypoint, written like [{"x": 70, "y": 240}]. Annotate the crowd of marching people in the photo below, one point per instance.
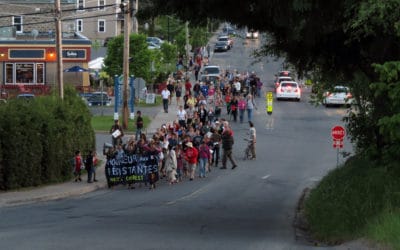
[{"x": 189, "y": 146}]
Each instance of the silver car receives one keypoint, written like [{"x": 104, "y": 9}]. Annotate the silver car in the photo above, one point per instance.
[{"x": 339, "y": 96}]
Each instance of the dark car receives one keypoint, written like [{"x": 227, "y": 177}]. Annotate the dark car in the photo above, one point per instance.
[
  {"x": 221, "y": 46},
  {"x": 229, "y": 31},
  {"x": 27, "y": 96},
  {"x": 99, "y": 99}
]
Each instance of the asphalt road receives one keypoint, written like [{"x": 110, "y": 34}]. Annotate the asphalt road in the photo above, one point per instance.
[{"x": 250, "y": 207}]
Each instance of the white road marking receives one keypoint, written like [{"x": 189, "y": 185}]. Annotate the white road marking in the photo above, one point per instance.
[
  {"x": 186, "y": 197},
  {"x": 266, "y": 177}
]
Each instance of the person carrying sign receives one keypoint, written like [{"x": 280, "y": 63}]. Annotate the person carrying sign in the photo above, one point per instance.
[{"x": 117, "y": 133}]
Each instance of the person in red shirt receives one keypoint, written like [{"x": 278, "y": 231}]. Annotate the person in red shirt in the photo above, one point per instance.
[
  {"x": 191, "y": 155},
  {"x": 188, "y": 86},
  {"x": 78, "y": 166}
]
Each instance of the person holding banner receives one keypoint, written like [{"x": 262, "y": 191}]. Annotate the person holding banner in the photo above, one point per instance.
[{"x": 117, "y": 133}]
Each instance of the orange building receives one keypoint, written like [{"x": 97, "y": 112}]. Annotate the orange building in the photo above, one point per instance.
[{"x": 28, "y": 64}]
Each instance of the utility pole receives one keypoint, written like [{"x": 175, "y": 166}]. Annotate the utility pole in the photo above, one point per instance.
[
  {"x": 127, "y": 23},
  {"x": 60, "y": 77}
]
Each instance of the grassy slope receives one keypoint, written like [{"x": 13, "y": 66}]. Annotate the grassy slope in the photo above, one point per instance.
[
  {"x": 104, "y": 123},
  {"x": 356, "y": 200}
]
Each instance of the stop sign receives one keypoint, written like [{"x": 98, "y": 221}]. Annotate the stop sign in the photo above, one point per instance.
[{"x": 338, "y": 133}]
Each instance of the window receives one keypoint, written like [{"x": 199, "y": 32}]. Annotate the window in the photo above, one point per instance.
[
  {"x": 17, "y": 22},
  {"x": 101, "y": 25},
  {"x": 25, "y": 73},
  {"x": 81, "y": 5},
  {"x": 79, "y": 25},
  {"x": 9, "y": 73},
  {"x": 101, "y": 4}
]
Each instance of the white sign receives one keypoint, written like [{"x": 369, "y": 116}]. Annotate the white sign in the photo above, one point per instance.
[{"x": 150, "y": 98}]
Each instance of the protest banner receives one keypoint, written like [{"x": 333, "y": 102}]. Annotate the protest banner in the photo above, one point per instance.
[{"x": 133, "y": 168}]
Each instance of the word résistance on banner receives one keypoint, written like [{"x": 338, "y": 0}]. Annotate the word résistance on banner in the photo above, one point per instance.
[{"x": 132, "y": 169}]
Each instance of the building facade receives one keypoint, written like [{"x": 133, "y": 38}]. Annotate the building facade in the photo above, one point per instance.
[{"x": 28, "y": 42}]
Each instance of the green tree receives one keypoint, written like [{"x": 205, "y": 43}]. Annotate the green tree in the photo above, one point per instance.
[{"x": 140, "y": 56}]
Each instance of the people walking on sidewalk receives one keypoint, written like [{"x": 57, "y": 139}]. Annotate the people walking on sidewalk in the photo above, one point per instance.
[
  {"x": 78, "y": 166},
  {"x": 89, "y": 166},
  {"x": 139, "y": 124},
  {"x": 165, "y": 94}
]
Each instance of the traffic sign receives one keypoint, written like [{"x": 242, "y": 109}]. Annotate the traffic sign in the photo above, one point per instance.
[
  {"x": 269, "y": 102},
  {"x": 337, "y": 143},
  {"x": 338, "y": 133}
]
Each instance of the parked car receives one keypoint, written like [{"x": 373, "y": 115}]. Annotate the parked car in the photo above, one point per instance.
[
  {"x": 26, "y": 96},
  {"x": 151, "y": 45},
  {"x": 85, "y": 95},
  {"x": 227, "y": 40},
  {"x": 157, "y": 41},
  {"x": 288, "y": 90},
  {"x": 221, "y": 46},
  {"x": 339, "y": 96},
  {"x": 252, "y": 34},
  {"x": 99, "y": 99}
]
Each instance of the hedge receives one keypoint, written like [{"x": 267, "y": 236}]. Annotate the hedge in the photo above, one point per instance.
[{"x": 38, "y": 138}]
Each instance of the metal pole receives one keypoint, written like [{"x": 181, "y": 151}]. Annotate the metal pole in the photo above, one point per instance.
[
  {"x": 59, "y": 49},
  {"x": 132, "y": 99},
  {"x": 337, "y": 156},
  {"x": 116, "y": 97},
  {"x": 125, "y": 111},
  {"x": 101, "y": 87}
]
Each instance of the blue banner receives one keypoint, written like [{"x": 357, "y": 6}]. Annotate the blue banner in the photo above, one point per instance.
[{"x": 132, "y": 169}]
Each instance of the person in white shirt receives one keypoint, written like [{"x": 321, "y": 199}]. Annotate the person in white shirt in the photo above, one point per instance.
[
  {"x": 236, "y": 86},
  {"x": 181, "y": 116},
  {"x": 165, "y": 98}
]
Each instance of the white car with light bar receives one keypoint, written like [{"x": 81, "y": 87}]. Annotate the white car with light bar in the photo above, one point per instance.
[
  {"x": 339, "y": 96},
  {"x": 288, "y": 90}
]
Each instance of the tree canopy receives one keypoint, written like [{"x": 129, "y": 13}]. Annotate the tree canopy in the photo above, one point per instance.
[{"x": 348, "y": 41}]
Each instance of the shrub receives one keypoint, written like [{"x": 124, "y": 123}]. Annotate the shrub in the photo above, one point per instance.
[
  {"x": 347, "y": 198},
  {"x": 38, "y": 138}
]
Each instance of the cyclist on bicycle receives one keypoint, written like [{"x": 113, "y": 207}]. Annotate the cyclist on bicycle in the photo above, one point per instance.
[{"x": 252, "y": 140}]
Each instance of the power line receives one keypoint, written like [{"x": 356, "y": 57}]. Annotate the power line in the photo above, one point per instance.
[
  {"x": 67, "y": 19},
  {"x": 66, "y": 10}
]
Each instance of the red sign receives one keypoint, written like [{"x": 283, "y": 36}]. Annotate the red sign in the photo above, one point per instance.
[
  {"x": 338, "y": 133},
  {"x": 337, "y": 143}
]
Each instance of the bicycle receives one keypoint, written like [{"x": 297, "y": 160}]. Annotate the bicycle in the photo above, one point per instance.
[{"x": 247, "y": 151}]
